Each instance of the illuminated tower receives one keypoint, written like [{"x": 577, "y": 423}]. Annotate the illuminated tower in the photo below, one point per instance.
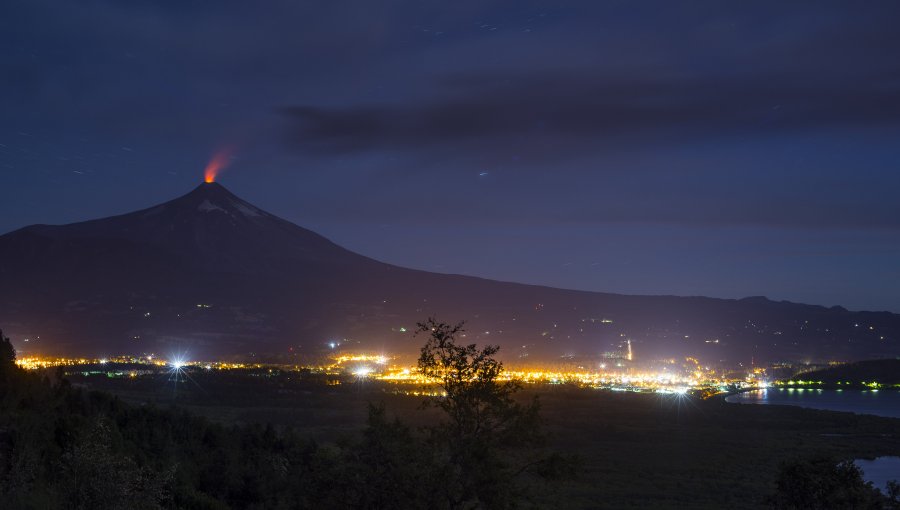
[{"x": 629, "y": 349}]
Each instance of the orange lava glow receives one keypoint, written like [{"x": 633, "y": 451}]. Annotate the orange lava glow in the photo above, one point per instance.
[{"x": 218, "y": 163}]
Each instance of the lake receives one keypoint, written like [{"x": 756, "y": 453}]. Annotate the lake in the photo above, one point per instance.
[
  {"x": 880, "y": 471},
  {"x": 881, "y": 403}
]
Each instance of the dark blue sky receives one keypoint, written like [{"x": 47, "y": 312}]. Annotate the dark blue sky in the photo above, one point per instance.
[{"x": 717, "y": 148}]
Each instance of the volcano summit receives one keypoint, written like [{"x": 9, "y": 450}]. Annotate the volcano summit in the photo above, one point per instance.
[{"x": 213, "y": 274}]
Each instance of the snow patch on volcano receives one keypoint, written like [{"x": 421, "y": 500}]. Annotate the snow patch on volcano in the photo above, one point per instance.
[
  {"x": 207, "y": 206},
  {"x": 246, "y": 210}
]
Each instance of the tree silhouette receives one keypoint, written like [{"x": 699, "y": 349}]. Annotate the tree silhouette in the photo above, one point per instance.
[
  {"x": 822, "y": 483},
  {"x": 892, "y": 493},
  {"x": 7, "y": 356},
  {"x": 94, "y": 475},
  {"x": 486, "y": 430}
]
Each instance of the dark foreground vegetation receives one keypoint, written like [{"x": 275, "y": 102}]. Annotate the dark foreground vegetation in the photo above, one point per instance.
[
  {"x": 63, "y": 447},
  {"x": 148, "y": 442}
]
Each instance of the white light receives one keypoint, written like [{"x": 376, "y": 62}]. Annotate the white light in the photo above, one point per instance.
[
  {"x": 103, "y": 361},
  {"x": 362, "y": 371}
]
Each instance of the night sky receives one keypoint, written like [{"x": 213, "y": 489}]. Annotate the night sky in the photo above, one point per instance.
[{"x": 693, "y": 148}]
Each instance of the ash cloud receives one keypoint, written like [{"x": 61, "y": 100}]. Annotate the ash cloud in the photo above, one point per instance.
[{"x": 585, "y": 108}]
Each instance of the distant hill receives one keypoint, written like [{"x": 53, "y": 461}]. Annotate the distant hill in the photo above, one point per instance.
[
  {"x": 214, "y": 275},
  {"x": 883, "y": 371}
]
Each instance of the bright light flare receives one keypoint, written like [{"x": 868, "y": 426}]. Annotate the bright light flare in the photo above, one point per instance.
[
  {"x": 219, "y": 161},
  {"x": 178, "y": 363}
]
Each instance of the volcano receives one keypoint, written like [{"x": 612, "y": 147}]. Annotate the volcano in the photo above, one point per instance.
[{"x": 217, "y": 276}]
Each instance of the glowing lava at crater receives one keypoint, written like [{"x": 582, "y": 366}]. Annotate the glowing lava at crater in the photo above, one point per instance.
[{"x": 218, "y": 163}]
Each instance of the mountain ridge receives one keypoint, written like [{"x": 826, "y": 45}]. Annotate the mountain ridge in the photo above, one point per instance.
[{"x": 214, "y": 273}]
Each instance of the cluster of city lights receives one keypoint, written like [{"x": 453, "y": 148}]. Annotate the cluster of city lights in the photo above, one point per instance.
[
  {"x": 659, "y": 382},
  {"x": 34, "y": 362},
  {"x": 377, "y": 367}
]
